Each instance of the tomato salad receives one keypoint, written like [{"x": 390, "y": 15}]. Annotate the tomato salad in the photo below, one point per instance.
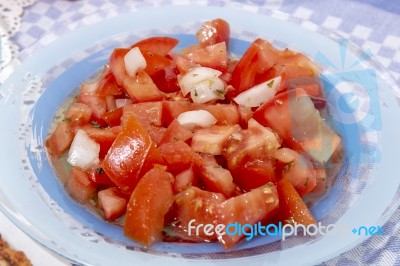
[{"x": 162, "y": 137}]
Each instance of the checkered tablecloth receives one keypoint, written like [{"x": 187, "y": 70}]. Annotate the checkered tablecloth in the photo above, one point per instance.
[{"x": 371, "y": 24}]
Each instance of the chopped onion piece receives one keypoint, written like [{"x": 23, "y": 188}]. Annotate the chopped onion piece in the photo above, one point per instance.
[
  {"x": 285, "y": 155},
  {"x": 84, "y": 152},
  {"x": 134, "y": 61},
  {"x": 198, "y": 118},
  {"x": 208, "y": 90},
  {"x": 196, "y": 75},
  {"x": 259, "y": 94}
]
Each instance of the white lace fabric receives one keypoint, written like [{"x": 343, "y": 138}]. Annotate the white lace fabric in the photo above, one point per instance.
[{"x": 11, "y": 12}]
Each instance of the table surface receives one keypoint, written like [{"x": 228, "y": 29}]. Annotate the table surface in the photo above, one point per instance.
[{"x": 371, "y": 24}]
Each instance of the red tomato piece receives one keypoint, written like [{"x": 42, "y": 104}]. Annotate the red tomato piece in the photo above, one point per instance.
[
  {"x": 253, "y": 143},
  {"x": 117, "y": 64},
  {"x": 259, "y": 57},
  {"x": 78, "y": 114},
  {"x": 166, "y": 79},
  {"x": 215, "y": 177},
  {"x": 155, "y": 62},
  {"x": 178, "y": 155},
  {"x": 293, "y": 116},
  {"x": 100, "y": 177},
  {"x": 112, "y": 202},
  {"x": 176, "y": 131},
  {"x": 113, "y": 118},
  {"x": 60, "y": 140},
  {"x": 108, "y": 85},
  {"x": 97, "y": 103},
  {"x": 226, "y": 114},
  {"x": 212, "y": 140},
  {"x": 198, "y": 205},
  {"x": 103, "y": 136},
  {"x": 157, "y": 45},
  {"x": 172, "y": 109},
  {"x": 145, "y": 113},
  {"x": 80, "y": 186},
  {"x": 127, "y": 155},
  {"x": 213, "y": 56},
  {"x": 254, "y": 173},
  {"x": 247, "y": 208},
  {"x": 299, "y": 171},
  {"x": 149, "y": 202},
  {"x": 141, "y": 88},
  {"x": 185, "y": 179},
  {"x": 292, "y": 208},
  {"x": 214, "y": 31}
]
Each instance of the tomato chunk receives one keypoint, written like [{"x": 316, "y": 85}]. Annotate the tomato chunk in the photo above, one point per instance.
[
  {"x": 185, "y": 179},
  {"x": 212, "y": 140},
  {"x": 112, "y": 202},
  {"x": 197, "y": 205},
  {"x": 247, "y": 208},
  {"x": 60, "y": 140},
  {"x": 176, "y": 131},
  {"x": 215, "y": 177},
  {"x": 214, "y": 31},
  {"x": 157, "y": 45},
  {"x": 149, "y": 202},
  {"x": 78, "y": 114},
  {"x": 127, "y": 155},
  {"x": 292, "y": 208},
  {"x": 103, "y": 136},
  {"x": 80, "y": 186},
  {"x": 178, "y": 155},
  {"x": 142, "y": 88},
  {"x": 293, "y": 116}
]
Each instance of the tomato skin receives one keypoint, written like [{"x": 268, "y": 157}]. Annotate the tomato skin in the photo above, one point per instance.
[
  {"x": 213, "y": 56},
  {"x": 292, "y": 208},
  {"x": 145, "y": 112},
  {"x": 103, "y": 136},
  {"x": 176, "y": 131},
  {"x": 155, "y": 62},
  {"x": 60, "y": 140},
  {"x": 108, "y": 86},
  {"x": 259, "y": 57},
  {"x": 148, "y": 204},
  {"x": 127, "y": 155},
  {"x": 112, "y": 202},
  {"x": 100, "y": 178},
  {"x": 117, "y": 64},
  {"x": 215, "y": 177},
  {"x": 113, "y": 118},
  {"x": 194, "y": 203},
  {"x": 178, "y": 155},
  {"x": 254, "y": 173},
  {"x": 248, "y": 208},
  {"x": 78, "y": 114},
  {"x": 166, "y": 79},
  {"x": 172, "y": 109},
  {"x": 80, "y": 186},
  {"x": 185, "y": 179},
  {"x": 157, "y": 45},
  {"x": 97, "y": 103},
  {"x": 142, "y": 88},
  {"x": 214, "y": 31}
]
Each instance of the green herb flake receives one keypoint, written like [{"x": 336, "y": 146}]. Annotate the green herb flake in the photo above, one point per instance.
[
  {"x": 219, "y": 92},
  {"x": 270, "y": 84},
  {"x": 95, "y": 124}
]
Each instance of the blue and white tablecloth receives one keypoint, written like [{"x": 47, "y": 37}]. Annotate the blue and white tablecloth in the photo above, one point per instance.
[{"x": 373, "y": 25}]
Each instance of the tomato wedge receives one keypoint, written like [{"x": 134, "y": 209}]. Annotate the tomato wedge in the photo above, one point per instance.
[
  {"x": 247, "y": 208},
  {"x": 157, "y": 45},
  {"x": 149, "y": 202},
  {"x": 214, "y": 31},
  {"x": 127, "y": 155},
  {"x": 292, "y": 208}
]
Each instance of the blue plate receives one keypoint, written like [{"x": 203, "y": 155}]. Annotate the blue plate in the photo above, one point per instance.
[{"x": 362, "y": 109}]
